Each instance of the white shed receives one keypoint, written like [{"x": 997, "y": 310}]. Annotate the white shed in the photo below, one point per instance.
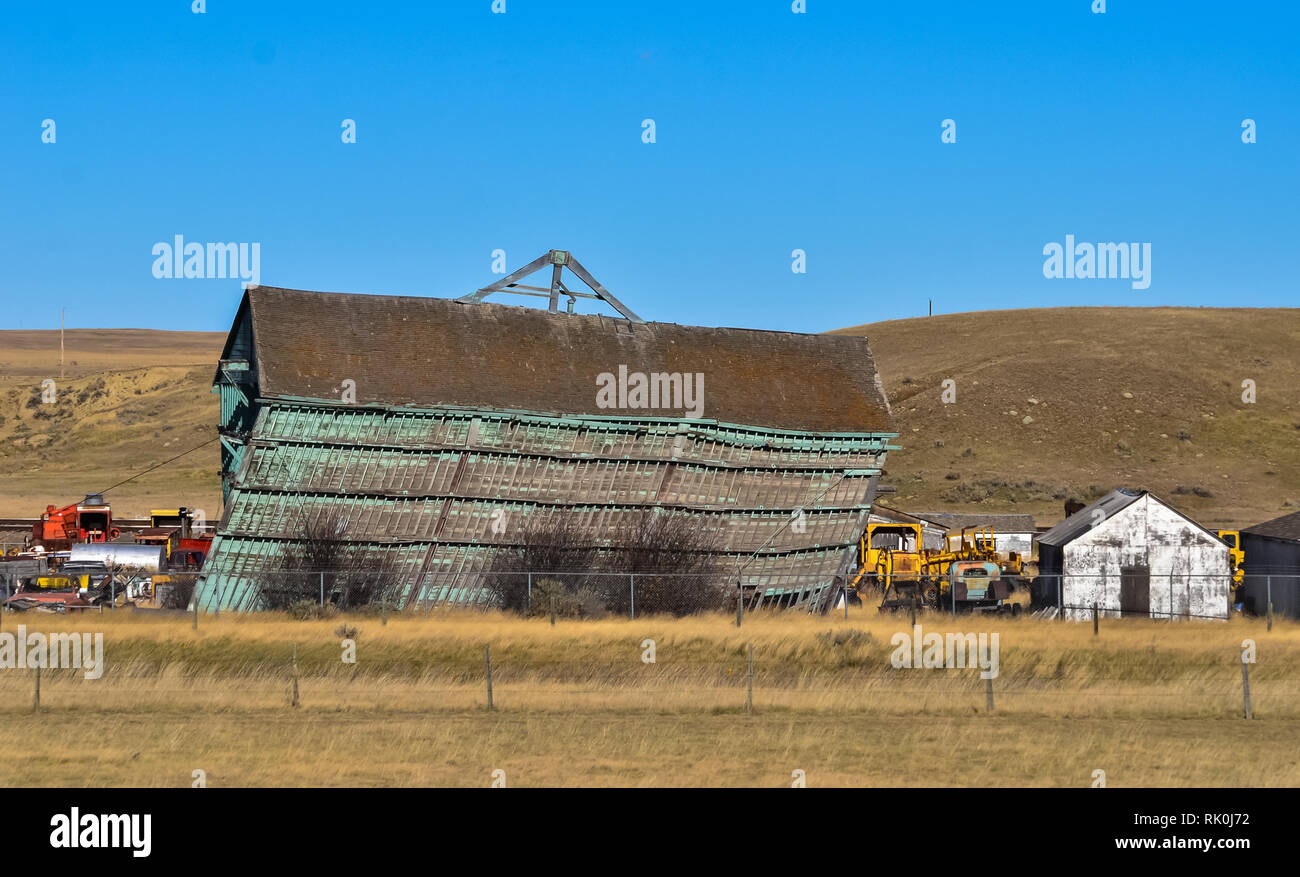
[{"x": 1133, "y": 555}]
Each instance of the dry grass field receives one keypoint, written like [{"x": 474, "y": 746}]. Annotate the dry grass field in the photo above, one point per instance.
[{"x": 1150, "y": 703}]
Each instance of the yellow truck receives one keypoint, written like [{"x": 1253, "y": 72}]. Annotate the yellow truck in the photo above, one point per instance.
[
  {"x": 1238, "y": 556},
  {"x": 63, "y": 582}
]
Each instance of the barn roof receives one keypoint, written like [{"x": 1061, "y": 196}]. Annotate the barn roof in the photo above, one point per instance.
[
  {"x": 419, "y": 352},
  {"x": 998, "y": 523},
  {"x": 893, "y": 514},
  {"x": 1286, "y": 527}
]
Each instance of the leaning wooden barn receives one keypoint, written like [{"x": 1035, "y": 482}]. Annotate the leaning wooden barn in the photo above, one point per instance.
[
  {"x": 1273, "y": 566},
  {"x": 1133, "y": 556},
  {"x": 435, "y": 430}
]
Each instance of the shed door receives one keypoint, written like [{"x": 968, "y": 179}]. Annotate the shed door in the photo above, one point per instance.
[{"x": 1135, "y": 590}]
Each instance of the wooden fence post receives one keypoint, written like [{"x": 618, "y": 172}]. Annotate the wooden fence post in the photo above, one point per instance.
[
  {"x": 294, "y": 703},
  {"x": 749, "y": 696},
  {"x": 1245, "y": 689},
  {"x": 988, "y": 694},
  {"x": 1094, "y": 619}
]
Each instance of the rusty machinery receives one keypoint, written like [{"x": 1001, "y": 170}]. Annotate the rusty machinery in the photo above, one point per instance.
[
  {"x": 972, "y": 576},
  {"x": 90, "y": 520}
]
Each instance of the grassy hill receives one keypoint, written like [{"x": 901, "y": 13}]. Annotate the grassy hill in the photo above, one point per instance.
[
  {"x": 1050, "y": 403},
  {"x": 1059, "y": 402},
  {"x": 129, "y": 399}
]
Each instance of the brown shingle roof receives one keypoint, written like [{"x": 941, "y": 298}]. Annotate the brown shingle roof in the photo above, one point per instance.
[
  {"x": 423, "y": 352},
  {"x": 999, "y": 523},
  {"x": 1285, "y": 527}
]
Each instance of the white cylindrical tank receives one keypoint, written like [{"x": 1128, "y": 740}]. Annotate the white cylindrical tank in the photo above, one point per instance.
[{"x": 149, "y": 559}]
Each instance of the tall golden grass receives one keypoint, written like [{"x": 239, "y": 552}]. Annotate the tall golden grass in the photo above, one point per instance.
[{"x": 575, "y": 704}]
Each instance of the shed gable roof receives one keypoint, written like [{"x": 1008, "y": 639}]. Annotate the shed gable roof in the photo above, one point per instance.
[
  {"x": 1111, "y": 504},
  {"x": 1286, "y": 527},
  {"x": 1082, "y": 521}
]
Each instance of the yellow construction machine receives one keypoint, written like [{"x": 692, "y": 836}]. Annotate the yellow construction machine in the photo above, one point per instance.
[
  {"x": 971, "y": 576},
  {"x": 1238, "y": 556}
]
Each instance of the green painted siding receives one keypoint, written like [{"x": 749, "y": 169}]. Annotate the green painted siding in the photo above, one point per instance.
[{"x": 422, "y": 487}]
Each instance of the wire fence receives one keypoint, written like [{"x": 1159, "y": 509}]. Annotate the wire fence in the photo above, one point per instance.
[
  {"x": 746, "y": 676},
  {"x": 1122, "y": 593},
  {"x": 1141, "y": 593},
  {"x": 1071, "y": 596},
  {"x": 566, "y": 592}
]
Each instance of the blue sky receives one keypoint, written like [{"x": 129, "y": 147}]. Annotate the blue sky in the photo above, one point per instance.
[{"x": 774, "y": 131}]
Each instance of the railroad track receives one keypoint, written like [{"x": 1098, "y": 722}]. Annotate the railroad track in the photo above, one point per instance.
[{"x": 123, "y": 524}]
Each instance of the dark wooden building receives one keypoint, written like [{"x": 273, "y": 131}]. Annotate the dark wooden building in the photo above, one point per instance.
[{"x": 1273, "y": 565}]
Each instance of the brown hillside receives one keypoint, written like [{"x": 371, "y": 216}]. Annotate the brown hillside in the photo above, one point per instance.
[
  {"x": 1059, "y": 402},
  {"x": 129, "y": 399}
]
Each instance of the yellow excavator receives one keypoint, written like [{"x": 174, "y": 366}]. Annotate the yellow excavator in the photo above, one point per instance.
[{"x": 972, "y": 576}]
